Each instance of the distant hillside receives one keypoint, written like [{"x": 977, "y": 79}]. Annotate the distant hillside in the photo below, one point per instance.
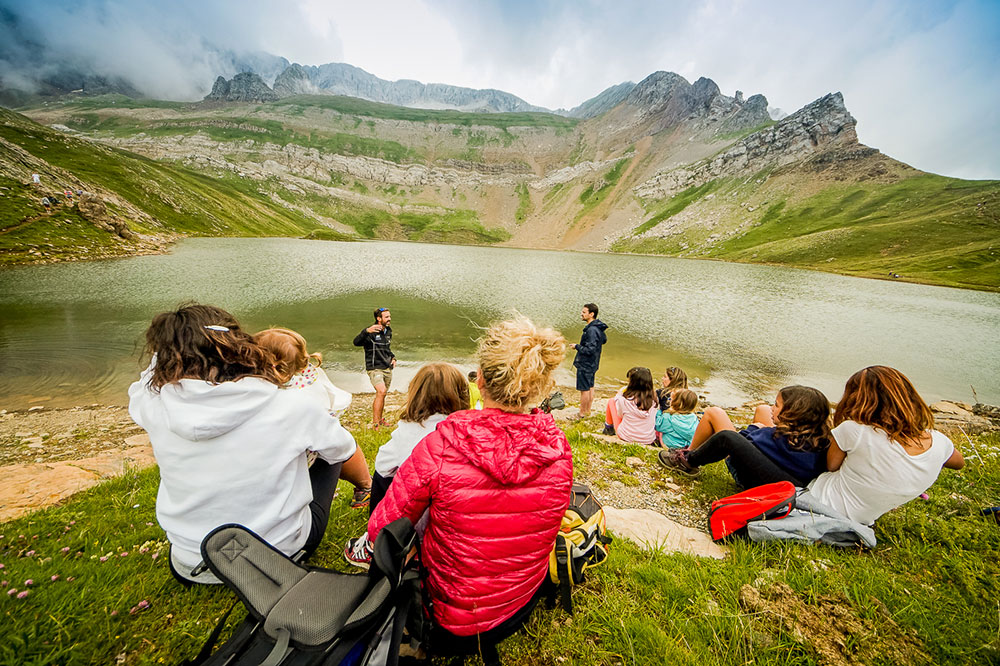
[{"x": 664, "y": 166}]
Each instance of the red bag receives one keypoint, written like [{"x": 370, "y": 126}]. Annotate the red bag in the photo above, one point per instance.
[{"x": 730, "y": 515}]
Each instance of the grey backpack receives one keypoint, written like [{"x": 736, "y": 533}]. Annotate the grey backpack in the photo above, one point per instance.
[{"x": 298, "y": 616}]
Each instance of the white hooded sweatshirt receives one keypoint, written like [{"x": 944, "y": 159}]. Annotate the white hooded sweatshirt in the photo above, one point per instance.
[{"x": 234, "y": 452}]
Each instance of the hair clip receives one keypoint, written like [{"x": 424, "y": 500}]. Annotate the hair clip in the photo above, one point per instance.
[{"x": 213, "y": 327}]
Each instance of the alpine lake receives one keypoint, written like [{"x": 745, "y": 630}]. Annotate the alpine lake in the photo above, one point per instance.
[{"x": 72, "y": 334}]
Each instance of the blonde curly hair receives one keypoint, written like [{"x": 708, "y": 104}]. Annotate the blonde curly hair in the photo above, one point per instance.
[{"x": 517, "y": 358}]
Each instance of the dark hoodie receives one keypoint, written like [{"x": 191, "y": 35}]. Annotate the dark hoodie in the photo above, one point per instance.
[{"x": 588, "y": 352}]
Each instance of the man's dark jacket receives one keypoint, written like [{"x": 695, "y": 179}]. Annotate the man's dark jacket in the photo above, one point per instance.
[
  {"x": 588, "y": 352},
  {"x": 378, "y": 356}
]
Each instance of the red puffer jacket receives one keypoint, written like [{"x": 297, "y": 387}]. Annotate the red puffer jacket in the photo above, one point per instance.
[{"x": 497, "y": 485}]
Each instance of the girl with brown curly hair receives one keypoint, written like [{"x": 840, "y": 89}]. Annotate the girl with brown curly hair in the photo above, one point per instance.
[
  {"x": 787, "y": 442},
  {"x": 885, "y": 451},
  {"x": 230, "y": 443}
]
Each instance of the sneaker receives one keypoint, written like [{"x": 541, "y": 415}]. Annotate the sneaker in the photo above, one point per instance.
[
  {"x": 676, "y": 460},
  {"x": 373, "y": 425},
  {"x": 359, "y": 551},
  {"x": 361, "y": 498},
  {"x": 608, "y": 430}
]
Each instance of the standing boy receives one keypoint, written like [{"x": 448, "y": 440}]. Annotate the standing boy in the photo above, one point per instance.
[
  {"x": 588, "y": 356},
  {"x": 379, "y": 360}
]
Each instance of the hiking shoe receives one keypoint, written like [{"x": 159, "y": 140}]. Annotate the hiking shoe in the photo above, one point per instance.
[
  {"x": 359, "y": 552},
  {"x": 676, "y": 460},
  {"x": 361, "y": 498},
  {"x": 608, "y": 430}
]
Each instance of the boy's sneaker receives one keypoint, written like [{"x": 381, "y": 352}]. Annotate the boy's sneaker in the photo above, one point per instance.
[
  {"x": 359, "y": 551},
  {"x": 609, "y": 430},
  {"x": 676, "y": 460},
  {"x": 361, "y": 498}
]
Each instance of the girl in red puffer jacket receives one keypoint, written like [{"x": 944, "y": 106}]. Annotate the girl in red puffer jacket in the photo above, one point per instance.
[{"x": 496, "y": 483}]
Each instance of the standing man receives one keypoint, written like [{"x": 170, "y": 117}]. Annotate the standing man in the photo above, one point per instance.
[
  {"x": 588, "y": 356},
  {"x": 379, "y": 360}
]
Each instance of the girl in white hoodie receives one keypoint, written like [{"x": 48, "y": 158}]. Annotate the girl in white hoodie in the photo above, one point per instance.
[
  {"x": 230, "y": 444},
  {"x": 301, "y": 370}
]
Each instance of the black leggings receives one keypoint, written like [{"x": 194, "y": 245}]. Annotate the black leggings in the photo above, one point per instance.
[
  {"x": 323, "y": 478},
  {"x": 748, "y": 465},
  {"x": 380, "y": 486}
]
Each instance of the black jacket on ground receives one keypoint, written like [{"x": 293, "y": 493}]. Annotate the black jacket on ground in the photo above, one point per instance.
[
  {"x": 588, "y": 352},
  {"x": 378, "y": 356}
]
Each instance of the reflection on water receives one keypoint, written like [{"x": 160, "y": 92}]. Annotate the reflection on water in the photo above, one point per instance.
[{"x": 72, "y": 333}]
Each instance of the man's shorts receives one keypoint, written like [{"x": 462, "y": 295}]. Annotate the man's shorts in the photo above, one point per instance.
[
  {"x": 585, "y": 379},
  {"x": 381, "y": 376}
]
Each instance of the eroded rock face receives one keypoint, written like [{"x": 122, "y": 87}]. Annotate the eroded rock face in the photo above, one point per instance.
[
  {"x": 294, "y": 81},
  {"x": 824, "y": 124},
  {"x": 244, "y": 87}
]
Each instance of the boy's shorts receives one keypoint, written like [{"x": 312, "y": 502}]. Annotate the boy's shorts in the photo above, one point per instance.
[
  {"x": 585, "y": 379},
  {"x": 381, "y": 376}
]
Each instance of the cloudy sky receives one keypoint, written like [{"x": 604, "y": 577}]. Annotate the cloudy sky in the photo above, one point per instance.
[{"x": 921, "y": 76}]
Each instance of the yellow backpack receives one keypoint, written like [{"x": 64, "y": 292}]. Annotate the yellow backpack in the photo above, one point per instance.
[{"x": 581, "y": 543}]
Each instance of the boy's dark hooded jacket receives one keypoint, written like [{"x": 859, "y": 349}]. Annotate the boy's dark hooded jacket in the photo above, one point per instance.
[{"x": 588, "y": 352}]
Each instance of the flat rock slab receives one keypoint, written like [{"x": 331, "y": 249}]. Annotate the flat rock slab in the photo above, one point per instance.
[
  {"x": 28, "y": 487},
  {"x": 654, "y": 531}
]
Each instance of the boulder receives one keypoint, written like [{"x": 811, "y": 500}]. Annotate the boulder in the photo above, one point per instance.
[{"x": 654, "y": 531}]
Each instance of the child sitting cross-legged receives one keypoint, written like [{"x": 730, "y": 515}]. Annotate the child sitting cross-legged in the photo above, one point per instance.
[
  {"x": 675, "y": 425},
  {"x": 437, "y": 390}
]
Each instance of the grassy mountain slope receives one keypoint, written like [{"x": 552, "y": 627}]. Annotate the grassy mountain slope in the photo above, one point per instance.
[{"x": 380, "y": 171}]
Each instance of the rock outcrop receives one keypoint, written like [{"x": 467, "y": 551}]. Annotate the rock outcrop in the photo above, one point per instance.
[
  {"x": 244, "y": 87},
  {"x": 294, "y": 81},
  {"x": 816, "y": 127}
]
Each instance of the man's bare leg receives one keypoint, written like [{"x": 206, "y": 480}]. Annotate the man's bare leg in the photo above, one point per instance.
[
  {"x": 379, "y": 404},
  {"x": 586, "y": 402}
]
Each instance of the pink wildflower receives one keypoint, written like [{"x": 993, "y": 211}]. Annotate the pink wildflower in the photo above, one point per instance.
[
  {"x": 4, "y": 583},
  {"x": 12, "y": 591},
  {"x": 104, "y": 558},
  {"x": 20, "y": 536},
  {"x": 23, "y": 594},
  {"x": 125, "y": 554},
  {"x": 142, "y": 605},
  {"x": 155, "y": 555},
  {"x": 71, "y": 579},
  {"x": 147, "y": 525},
  {"x": 114, "y": 612},
  {"x": 64, "y": 549},
  {"x": 30, "y": 581},
  {"x": 1, "y": 565},
  {"x": 54, "y": 578},
  {"x": 29, "y": 553},
  {"x": 72, "y": 522}
]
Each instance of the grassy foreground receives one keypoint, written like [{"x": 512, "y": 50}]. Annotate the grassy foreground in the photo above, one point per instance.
[{"x": 101, "y": 591}]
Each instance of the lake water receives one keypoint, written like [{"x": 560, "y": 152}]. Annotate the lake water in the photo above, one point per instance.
[{"x": 71, "y": 334}]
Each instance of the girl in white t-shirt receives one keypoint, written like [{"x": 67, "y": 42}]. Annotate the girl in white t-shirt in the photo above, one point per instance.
[
  {"x": 884, "y": 451},
  {"x": 299, "y": 369},
  {"x": 437, "y": 390}
]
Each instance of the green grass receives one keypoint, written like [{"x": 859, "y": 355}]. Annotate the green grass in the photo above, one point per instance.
[
  {"x": 523, "y": 203},
  {"x": 934, "y": 575},
  {"x": 739, "y": 134},
  {"x": 595, "y": 193},
  {"x": 677, "y": 203},
  {"x": 359, "y": 107}
]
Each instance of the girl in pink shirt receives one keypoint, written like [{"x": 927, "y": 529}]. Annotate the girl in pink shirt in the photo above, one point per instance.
[{"x": 633, "y": 411}]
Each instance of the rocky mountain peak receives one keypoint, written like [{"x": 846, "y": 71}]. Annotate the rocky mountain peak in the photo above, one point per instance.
[
  {"x": 294, "y": 80},
  {"x": 244, "y": 87}
]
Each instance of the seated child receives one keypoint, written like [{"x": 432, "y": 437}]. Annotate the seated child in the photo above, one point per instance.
[
  {"x": 673, "y": 378},
  {"x": 299, "y": 369},
  {"x": 787, "y": 442},
  {"x": 437, "y": 390},
  {"x": 475, "y": 397},
  {"x": 675, "y": 426},
  {"x": 632, "y": 412}
]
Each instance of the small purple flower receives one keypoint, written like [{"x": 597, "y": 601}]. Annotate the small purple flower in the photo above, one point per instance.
[
  {"x": 104, "y": 558},
  {"x": 125, "y": 554},
  {"x": 30, "y": 581},
  {"x": 1, "y": 565},
  {"x": 64, "y": 549},
  {"x": 142, "y": 605},
  {"x": 144, "y": 550},
  {"x": 155, "y": 555},
  {"x": 23, "y": 594},
  {"x": 12, "y": 591},
  {"x": 29, "y": 553},
  {"x": 54, "y": 578}
]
